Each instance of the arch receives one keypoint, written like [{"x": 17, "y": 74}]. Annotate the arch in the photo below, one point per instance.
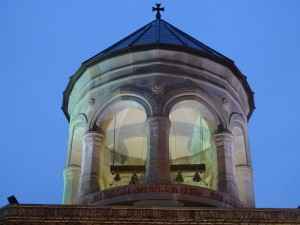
[
  {"x": 145, "y": 102},
  {"x": 197, "y": 95},
  {"x": 237, "y": 126},
  {"x": 78, "y": 126},
  {"x": 191, "y": 142},
  {"x": 239, "y": 146},
  {"x": 124, "y": 147},
  {"x": 241, "y": 160}
]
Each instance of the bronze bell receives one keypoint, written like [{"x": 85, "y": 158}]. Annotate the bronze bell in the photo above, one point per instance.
[
  {"x": 134, "y": 179},
  {"x": 197, "y": 177},
  {"x": 117, "y": 177},
  {"x": 179, "y": 177}
]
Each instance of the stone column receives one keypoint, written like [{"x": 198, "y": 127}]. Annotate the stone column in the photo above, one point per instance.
[
  {"x": 71, "y": 182},
  {"x": 226, "y": 181},
  {"x": 89, "y": 178},
  {"x": 157, "y": 165},
  {"x": 244, "y": 172}
]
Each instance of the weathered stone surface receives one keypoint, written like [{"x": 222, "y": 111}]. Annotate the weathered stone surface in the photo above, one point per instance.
[
  {"x": 71, "y": 178},
  {"x": 197, "y": 196},
  {"x": 68, "y": 214},
  {"x": 90, "y": 163},
  {"x": 157, "y": 79},
  {"x": 226, "y": 181},
  {"x": 158, "y": 168}
]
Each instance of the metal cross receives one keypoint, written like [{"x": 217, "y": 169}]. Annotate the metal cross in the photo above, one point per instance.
[{"x": 158, "y": 9}]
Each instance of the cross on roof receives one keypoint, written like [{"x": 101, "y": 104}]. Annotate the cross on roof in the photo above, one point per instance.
[{"x": 158, "y": 9}]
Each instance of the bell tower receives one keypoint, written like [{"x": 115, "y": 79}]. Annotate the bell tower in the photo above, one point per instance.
[{"x": 158, "y": 119}]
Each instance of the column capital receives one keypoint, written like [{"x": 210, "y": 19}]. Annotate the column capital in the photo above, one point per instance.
[
  {"x": 70, "y": 170},
  {"x": 223, "y": 136},
  {"x": 94, "y": 136},
  {"x": 159, "y": 119},
  {"x": 222, "y": 130}
]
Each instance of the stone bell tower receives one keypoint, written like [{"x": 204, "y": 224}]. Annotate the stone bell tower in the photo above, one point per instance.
[{"x": 158, "y": 119}]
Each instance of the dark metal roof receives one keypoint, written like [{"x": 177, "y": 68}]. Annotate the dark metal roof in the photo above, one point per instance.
[{"x": 159, "y": 34}]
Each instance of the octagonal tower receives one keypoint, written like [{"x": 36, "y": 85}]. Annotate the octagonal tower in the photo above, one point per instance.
[{"x": 158, "y": 119}]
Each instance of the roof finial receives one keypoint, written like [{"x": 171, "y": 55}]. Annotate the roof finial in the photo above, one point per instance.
[{"x": 158, "y": 9}]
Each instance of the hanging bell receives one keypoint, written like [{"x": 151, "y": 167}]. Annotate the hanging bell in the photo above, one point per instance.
[
  {"x": 179, "y": 177},
  {"x": 197, "y": 177},
  {"x": 134, "y": 179},
  {"x": 117, "y": 177}
]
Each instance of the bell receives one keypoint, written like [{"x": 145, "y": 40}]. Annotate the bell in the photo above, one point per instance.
[
  {"x": 117, "y": 177},
  {"x": 134, "y": 179},
  {"x": 197, "y": 177},
  {"x": 179, "y": 177}
]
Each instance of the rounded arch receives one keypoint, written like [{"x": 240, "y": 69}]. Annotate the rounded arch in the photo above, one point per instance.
[
  {"x": 237, "y": 125},
  {"x": 192, "y": 144},
  {"x": 124, "y": 146},
  {"x": 78, "y": 126},
  {"x": 241, "y": 159},
  {"x": 197, "y": 95},
  {"x": 145, "y": 102},
  {"x": 239, "y": 146}
]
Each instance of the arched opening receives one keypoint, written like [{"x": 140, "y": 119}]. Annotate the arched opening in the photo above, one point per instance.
[
  {"x": 239, "y": 147},
  {"x": 122, "y": 159},
  {"x": 72, "y": 169},
  {"x": 76, "y": 146},
  {"x": 192, "y": 150},
  {"x": 242, "y": 174}
]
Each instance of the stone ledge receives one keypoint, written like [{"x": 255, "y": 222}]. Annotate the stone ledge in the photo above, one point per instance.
[
  {"x": 71, "y": 214},
  {"x": 180, "y": 192}
]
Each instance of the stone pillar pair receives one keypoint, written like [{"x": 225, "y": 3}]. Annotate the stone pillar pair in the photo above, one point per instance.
[{"x": 157, "y": 164}]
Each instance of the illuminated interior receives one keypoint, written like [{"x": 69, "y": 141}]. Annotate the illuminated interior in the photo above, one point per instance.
[
  {"x": 125, "y": 144},
  {"x": 191, "y": 143}
]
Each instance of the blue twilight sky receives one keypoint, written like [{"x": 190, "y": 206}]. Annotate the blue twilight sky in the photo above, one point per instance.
[{"x": 42, "y": 43}]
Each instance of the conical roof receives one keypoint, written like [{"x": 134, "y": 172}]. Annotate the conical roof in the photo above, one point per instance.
[{"x": 160, "y": 33}]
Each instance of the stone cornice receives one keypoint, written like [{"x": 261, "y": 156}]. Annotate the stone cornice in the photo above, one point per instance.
[{"x": 230, "y": 65}]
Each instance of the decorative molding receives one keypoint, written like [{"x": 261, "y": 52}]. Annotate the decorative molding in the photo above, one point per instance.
[
  {"x": 96, "y": 118},
  {"x": 194, "y": 94},
  {"x": 175, "y": 189},
  {"x": 157, "y": 88}
]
